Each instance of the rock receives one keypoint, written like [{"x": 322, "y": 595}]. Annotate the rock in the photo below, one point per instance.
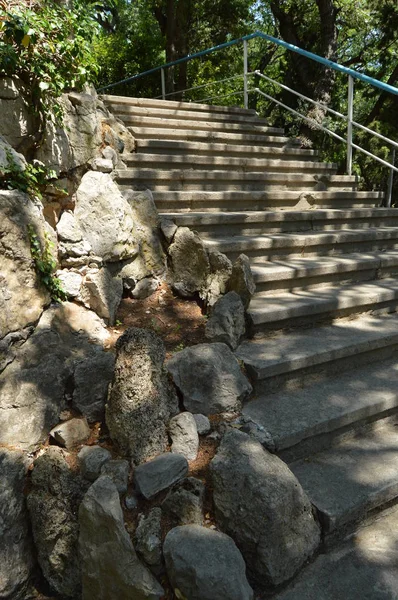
[
  {"x": 184, "y": 503},
  {"x": 209, "y": 379},
  {"x": 80, "y": 250},
  {"x": 184, "y": 435},
  {"x": 262, "y": 506},
  {"x": 92, "y": 377},
  {"x": 141, "y": 399},
  {"x": 9, "y": 155},
  {"x": 22, "y": 296},
  {"x": 71, "y": 282},
  {"x": 258, "y": 433},
  {"x": 148, "y": 537},
  {"x": 241, "y": 280},
  {"x": 160, "y": 473},
  {"x": 145, "y": 288},
  {"x": 16, "y": 557},
  {"x": 168, "y": 228},
  {"x": 110, "y": 567},
  {"x": 202, "y": 424},
  {"x": 117, "y": 135},
  {"x": 131, "y": 502},
  {"x": 227, "y": 321},
  {"x": 118, "y": 472},
  {"x": 101, "y": 164},
  {"x": 110, "y": 154},
  {"x": 102, "y": 293},
  {"x": 189, "y": 262},
  {"x": 216, "y": 282},
  {"x": 91, "y": 459},
  {"x": 19, "y": 123},
  {"x": 105, "y": 217},
  {"x": 53, "y": 503},
  {"x": 68, "y": 229},
  {"x": 205, "y": 565},
  {"x": 70, "y": 433},
  {"x": 37, "y": 382}
]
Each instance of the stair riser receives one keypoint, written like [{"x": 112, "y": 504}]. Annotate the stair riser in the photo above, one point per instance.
[
  {"x": 137, "y": 112},
  {"x": 225, "y": 150},
  {"x": 176, "y": 105},
  {"x": 213, "y": 137},
  {"x": 206, "y": 126},
  {"x": 228, "y": 186},
  {"x": 175, "y": 206}
]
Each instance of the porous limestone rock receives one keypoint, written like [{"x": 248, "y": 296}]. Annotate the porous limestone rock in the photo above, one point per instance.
[
  {"x": 262, "y": 506},
  {"x": 184, "y": 435},
  {"x": 203, "y": 564},
  {"x": 141, "y": 400},
  {"x": 189, "y": 263},
  {"x": 241, "y": 280},
  {"x": 110, "y": 566},
  {"x": 209, "y": 379},
  {"x": 184, "y": 502},
  {"x": 102, "y": 293},
  {"x": 16, "y": 556},
  {"x": 227, "y": 321},
  {"x": 53, "y": 503},
  {"x": 148, "y": 537},
  {"x": 160, "y": 473}
]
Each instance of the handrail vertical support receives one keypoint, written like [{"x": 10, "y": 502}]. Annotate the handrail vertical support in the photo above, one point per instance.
[
  {"x": 163, "y": 79},
  {"x": 390, "y": 182},
  {"x": 349, "y": 123},
  {"x": 245, "y": 72}
]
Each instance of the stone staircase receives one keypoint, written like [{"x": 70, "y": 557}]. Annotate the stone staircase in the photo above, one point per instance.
[{"x": 325, "y": 259}]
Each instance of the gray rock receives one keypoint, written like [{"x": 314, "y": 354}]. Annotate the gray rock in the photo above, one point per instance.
[
  {"x": 227, "y": 321},
  {"x": 141, "y": 399},
  {"x": 53, "y": 503},
  {"x": 102, "y": 293},
  {"x": 258, "y": 433},
  {"x": 77, "y": 250},
  {"x": 118, "y": 136},
  {"x": 148, "y": 537},
  {"x": 91, "y": 459},
  {"x": 205, "y": 565},
  {"x": 216, "y": 282},
  {"x": 71, "y": 282},
  {"x": 160, "y": 473},
  {"x": 19, "y": 124},
  {"x": 16, "y": 158},
  {"x": 209, "y": 379},
  {"x": 118, "y": 472},
  {"x": 110, "y": 567},
  {"x": 145, "y": 288},
  {"x": 102, "y": 164},
  {"x": 241, "y": 280},
  {"x": 70, "y": 433},
  {"x": 105, "y": 217},
  {"x": 68, "y": 229},
  {"x": 168, "y": 228},
  {"x": 189, "y": 262},
  {"x": 184, "y": 435},
  {"x": 131, "y": 502},
  {"x": 184, "y": 502},
  {"x": 16, "y": 557},
  {"x": 262, "y": 506},
  {"x": 202, "y": 424},
  {"x": 22, "y": 296},
  {"x": 92, "y": 377},
  {"x": 110, "y": 154}
]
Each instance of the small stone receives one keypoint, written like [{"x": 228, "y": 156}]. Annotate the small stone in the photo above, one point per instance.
[
  {"x": 214, "y": 435},
  {"x": 202, "y": 424},
  {"x": 118, "y": 471},
  {"x": 184, "y": 434},
  {"x": 148, "y": 537},
  {"x": 110, "y": 154},
  {"x": 145, "y": 288},
  {"x": 101, "y": 164},
  {"x": 91, "y": 459},
  {"x": 184, "y": 502},
  {"x": 168, "y": 228},
  {"x": 131, "y": 502},
  {"x": 160, "y": 473},
  {"x": 71, "y": 282},
  {"x": 241, "y": 280},
  {"x": 68, "y": 229},
  {"x": 72, "y": 432}
]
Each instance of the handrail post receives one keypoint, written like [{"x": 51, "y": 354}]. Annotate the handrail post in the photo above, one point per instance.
[
  {"x": 390, "y": 181},
  {"x": 349, "y": 123},
  {"x": 163, "y": 80},
  {"x": 245, "y": 71}
]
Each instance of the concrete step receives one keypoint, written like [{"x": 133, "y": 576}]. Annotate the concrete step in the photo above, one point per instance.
[
  {"x": 364, "y": 567},
  {"x": 283, "y": 310},
  {"x": 278, "y": 361},
  {"x": 192, "y": 179},
  {"x": 231, "y": 163},
  {"x": 354, "y": 477},
  {"x": 179, "y": 147},
  {"x": 216, "y": 201},
  {"x": 308, "y": 420},
  {"x": 176, "y": 105},
  {"x": 210, "y": 126},
  {"x": 265, "y": 247},
  {"x": 210, "y": 225},
  {"x": 263, "y": 139}
]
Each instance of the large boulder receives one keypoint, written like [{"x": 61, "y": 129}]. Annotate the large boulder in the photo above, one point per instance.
[
  {"x": 53, "y": 503},
  {"x": 105, "y": 217},
  {"x": 209, "y": 379},
  {"x": 68, "y": 340},
  {"x": 262, "y": 506},
  {"x": 19, "y": 123},
  {"x": 141, "y": 400},
  {"x": 241, "y": 280},
  {"x": 110, "y": 567},
  {"x": 189, "y": 263},
  {"x": 22, "y": 296},
  {"x": 16, "y": 557},
  {"x": 227, "y": 322},
  {"x": 203, "y": 564}
]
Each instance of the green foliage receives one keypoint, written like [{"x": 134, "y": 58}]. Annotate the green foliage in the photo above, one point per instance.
[
  {"x": 46, "y": 264},
  {"x": 31, "y": 180}
]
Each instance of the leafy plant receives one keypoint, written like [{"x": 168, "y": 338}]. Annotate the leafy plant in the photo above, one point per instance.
[
  {"x": 46, "y": 264},
  {"x": 31, "y": 180}
]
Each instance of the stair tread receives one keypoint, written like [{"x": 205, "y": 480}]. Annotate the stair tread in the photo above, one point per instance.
[
  {"x": 323, "y": 407},
  {"x": 222, "y": 148},
  {"x": 261, "y": 195},
  {"x": 357, "y": 475},
  {"x": 169, "y": 104},
  {"x": 170, "y": 122},
  {"x": 155, "y": 132},
  {"x": 278, "y": 354}
]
